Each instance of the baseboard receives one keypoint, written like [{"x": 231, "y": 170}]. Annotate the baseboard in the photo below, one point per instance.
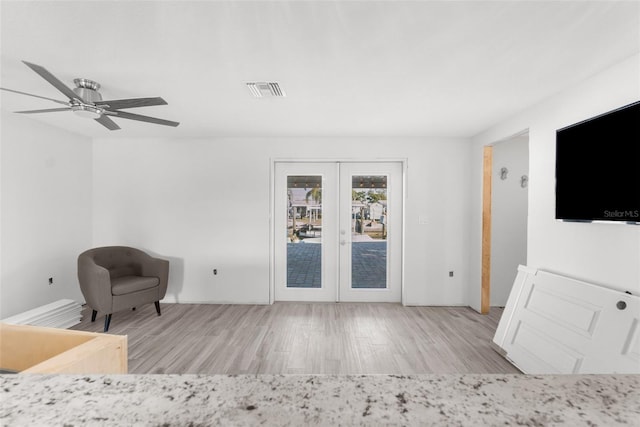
[{"x": 168, "y": 300}]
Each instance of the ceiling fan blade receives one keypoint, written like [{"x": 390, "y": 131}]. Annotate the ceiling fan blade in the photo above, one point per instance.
[
  {"x": 116, "y": 104},
  {"x": 48, "y": 110},
  {"x": 54, "y": 81},
  {"x": 107, "y": 122},
  {"x": 36, "y": 96},
  {"x": 130, "y": 116}
]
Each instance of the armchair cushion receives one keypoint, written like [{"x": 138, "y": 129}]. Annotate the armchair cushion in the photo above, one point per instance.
[
  {"x": 129, "y": 284},
  {"x": 116, "y": 271}
]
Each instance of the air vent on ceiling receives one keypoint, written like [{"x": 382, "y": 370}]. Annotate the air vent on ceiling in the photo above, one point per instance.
[{"x": 265, "y": 89}]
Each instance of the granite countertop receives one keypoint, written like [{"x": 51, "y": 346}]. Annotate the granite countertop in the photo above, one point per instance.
[{"x": 179, "y": 400}]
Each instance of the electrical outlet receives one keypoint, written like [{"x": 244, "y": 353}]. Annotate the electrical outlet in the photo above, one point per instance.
[
  {"x": 50, "y": 280},
  {"x": 215, "y": 271},
  {"x": 451, "y": 274}
]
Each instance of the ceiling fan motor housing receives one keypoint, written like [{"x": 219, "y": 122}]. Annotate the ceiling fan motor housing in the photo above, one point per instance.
[{"x": 87, "y": 90}]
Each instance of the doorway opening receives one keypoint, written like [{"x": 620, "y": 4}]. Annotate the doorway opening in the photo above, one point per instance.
[{"x": 504, "y": 217}]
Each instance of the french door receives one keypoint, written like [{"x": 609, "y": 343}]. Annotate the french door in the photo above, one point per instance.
[{"x": 338, "y": 231}]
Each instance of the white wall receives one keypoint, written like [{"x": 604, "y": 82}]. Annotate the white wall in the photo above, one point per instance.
[
  {"x": 605, "y": 254},
  {"x": 204, "y": 204},
  {"x": 508, "y": 216},
  {"x": 46, "y": 177}
]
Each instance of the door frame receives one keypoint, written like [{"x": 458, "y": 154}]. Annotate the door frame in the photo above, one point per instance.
[{"x": 272, "y": 225}]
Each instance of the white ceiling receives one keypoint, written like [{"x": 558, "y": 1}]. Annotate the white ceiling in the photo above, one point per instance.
[{"x": 386, "y": 68}]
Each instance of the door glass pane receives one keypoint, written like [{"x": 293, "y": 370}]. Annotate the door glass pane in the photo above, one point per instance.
[
  {"x": 369, "y": 231},
  {"x": 304, "y": 231}
]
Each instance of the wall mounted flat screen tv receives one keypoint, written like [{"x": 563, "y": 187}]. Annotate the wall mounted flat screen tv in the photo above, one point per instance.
[{"x": 598, "y": 168}]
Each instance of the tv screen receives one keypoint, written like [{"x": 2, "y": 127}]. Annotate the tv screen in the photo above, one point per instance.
[{"x": 598, "y": 168}]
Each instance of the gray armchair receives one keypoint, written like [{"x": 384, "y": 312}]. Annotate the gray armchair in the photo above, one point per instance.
[{"x": 115, "y": 278}]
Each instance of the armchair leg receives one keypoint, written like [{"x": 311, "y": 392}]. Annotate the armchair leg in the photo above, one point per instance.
[
  {"x": 107, "y": 320},
  {"x": 158, "y": 307},
  {"x": 93, "y": 315}
]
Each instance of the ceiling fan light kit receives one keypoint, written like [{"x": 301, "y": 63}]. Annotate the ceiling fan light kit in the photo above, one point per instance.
[
  {"x": 86, "y": 101},
  {"x": 87, "y": 111}
]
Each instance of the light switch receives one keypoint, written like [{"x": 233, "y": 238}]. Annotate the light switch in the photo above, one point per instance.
[{"x": 422, "y": 219}]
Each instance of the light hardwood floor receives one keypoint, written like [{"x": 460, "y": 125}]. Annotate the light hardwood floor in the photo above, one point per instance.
[{"x": 306, "y": 338}]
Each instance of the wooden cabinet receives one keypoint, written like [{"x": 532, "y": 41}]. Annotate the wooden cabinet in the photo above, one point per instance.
[{"x": 33, "y": 349}]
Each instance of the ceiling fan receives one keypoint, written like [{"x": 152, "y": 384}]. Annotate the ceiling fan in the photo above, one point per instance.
[{"x": 86, "y": 101}]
